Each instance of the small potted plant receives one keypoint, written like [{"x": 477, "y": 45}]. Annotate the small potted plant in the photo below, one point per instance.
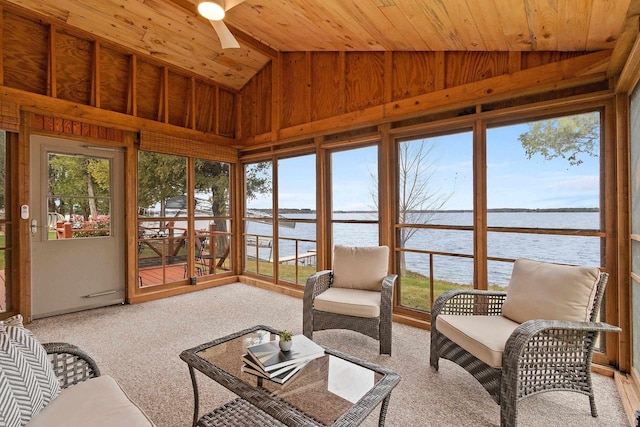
[{"x": 285, "y": 340}]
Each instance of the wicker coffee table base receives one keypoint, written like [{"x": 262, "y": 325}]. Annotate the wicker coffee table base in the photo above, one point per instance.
[{"x": 238, "y": 413}]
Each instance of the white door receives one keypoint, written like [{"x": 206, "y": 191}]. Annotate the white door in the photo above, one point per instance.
[{"x": 77, "y": 226}]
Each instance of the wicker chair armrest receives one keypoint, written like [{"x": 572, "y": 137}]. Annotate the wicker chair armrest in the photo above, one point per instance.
[
  {"x": 388, "y": 284},
  {"x": 469, "y": 302},
  {"x": 572, "y": 334},
  {"x": 71, "y": 364},
  {"x": 317, "y": 283}
]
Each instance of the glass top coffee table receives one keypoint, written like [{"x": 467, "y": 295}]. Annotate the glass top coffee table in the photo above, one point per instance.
[{"x": 333, "y": 390}]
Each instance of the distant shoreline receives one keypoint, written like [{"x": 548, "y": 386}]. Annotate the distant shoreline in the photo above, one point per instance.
[{"x": 496, "y": 210}]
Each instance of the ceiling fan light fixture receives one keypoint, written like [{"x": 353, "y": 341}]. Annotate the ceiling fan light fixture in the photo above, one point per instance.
[{"x": 211, "y": 10}]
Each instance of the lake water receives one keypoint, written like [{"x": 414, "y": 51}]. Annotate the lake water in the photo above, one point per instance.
[{"x": 563, "y": 249}]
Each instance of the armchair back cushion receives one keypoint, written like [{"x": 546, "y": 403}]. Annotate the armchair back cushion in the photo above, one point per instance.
[
  {"x": 360, "y": 267},
  {"x": 539, "y": 290},
  {"x": 27, "y": 380}
]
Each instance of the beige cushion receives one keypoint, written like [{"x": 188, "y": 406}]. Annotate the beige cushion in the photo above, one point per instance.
[
  {"x": 98, "y": 402},
  {"x": 482, "y": 336},
  {"x": 548, "y": 291},
  {"x": 360, "y": 267},
  {"x": 352, "y": 302}
]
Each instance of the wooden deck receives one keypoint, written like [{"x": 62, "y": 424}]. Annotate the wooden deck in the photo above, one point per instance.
[{"x": 149, "y": 276}]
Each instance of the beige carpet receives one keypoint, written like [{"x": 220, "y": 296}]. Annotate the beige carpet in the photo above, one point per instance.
[{"x": 139, "y": 345}]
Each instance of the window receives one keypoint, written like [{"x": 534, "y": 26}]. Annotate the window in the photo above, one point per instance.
[
  {"x": 162, "y": 218},
  {"x": 543, "y": 193},
  {"x": 78, "y": 196},
  {"x": 435, "y": 217},
  {"x": 258, "y": 219},
  {"x": 354, "y": 197},
  {"x": 297, "y": 218},
  {"x": 212, "y": 217}
]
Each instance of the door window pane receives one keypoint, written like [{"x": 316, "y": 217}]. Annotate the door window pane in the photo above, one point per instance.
[{"x": 78, "y": 197}]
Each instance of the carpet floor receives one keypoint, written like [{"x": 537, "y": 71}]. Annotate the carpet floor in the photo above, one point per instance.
[{"x": 139, "y": 345}]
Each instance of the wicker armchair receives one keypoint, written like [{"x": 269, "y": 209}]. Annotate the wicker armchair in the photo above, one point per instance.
[
  {"x": 346, "y": 305},
  {"x": 70, "y": 364},
  {"x": 538, "y": 356}
]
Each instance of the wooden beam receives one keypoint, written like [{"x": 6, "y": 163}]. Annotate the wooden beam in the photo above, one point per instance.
[
  {"x": 52, "y": 90},
  {"x": 95, "y": 81},
  {"x": 553, "y": 76},
  {"x": 65, "y": 109},
  {"x": 631, "y": 70}
]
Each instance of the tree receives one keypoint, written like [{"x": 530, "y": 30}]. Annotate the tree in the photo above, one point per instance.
[
  {"x": 418, "y": 199},
  {"x": 565, "y": 137}
]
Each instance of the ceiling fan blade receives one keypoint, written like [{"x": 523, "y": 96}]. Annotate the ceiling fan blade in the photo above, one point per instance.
[
  {"x": 227, "y": 40},
  {"x": 228, "y": 4}
]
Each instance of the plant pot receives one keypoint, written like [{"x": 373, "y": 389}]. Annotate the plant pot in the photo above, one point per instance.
[{"x": 285, "y": 345}]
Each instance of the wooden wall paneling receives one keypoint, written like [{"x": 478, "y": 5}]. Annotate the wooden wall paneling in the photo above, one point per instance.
[
  {"x": 469, "y": 67},
  {"x": 115, "y": 80},
  {"x": 249, "y": 105},
  {"x": 263, "y": 92},
  {"x": 439, "y": 82},
  {"x": 95, "y": 81},
  {"x": 132, "y": 96},
  {"x": 276, "y": 95},
  {"x": 388, "y": 77},
  {"x": 623, "y": 192},
  {"x": 52, "y": 78},
  {"x": 414, "y": 73},
  {"x": 163, "y": 111},
  {"x": 364, "y": 80},
  {"x": 536, "y": 59},
  {"x": 23, "y": 244},
  {"x": 74, "y": 70},
  {"x": 480, "y": 269},
  {"x": 515, "y": 62},
  {"x": 294, "y": 90},
  {"x": 178, "y": 99},
  {"x": 1, "y": 44},
  {"x": 206, "y": 102},
  {"x": 131, "y": 214},
  {"x": 608, "y": 222},
  {"x": 327, "y": 77},
  {"x": 148, "y": 84},
  {"x": 192, "y": 103},
  {"x": 226, "y": 113},
  {"x": 25, "y": 54}
]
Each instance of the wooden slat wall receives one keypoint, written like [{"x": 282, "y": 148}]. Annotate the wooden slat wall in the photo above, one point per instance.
[
  {"x": 318, "y": 86},
  {"x": 59, "y": 62}
]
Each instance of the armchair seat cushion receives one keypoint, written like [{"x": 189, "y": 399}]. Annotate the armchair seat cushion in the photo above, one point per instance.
[
  {"x": 98, "y": 402},
  {"x": 482, "y": 336},
  {"x": 350, "y": 302}
]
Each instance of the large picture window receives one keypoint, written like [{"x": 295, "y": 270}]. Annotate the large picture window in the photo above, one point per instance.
[{"x": 435, "y": 217}]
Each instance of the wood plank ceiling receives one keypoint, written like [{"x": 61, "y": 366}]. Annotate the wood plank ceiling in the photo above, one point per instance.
[{"x": 171, "y": 30}]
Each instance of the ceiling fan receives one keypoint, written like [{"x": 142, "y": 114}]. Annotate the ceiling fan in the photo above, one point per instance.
[{"x": 214, "y": 11}]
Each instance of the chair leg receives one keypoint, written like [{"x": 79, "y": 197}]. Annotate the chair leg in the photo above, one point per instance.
[
  {"x": 592, "y": 402},
  {"x": 385, "y": 344},
  {"x": 434, "y": 357}
]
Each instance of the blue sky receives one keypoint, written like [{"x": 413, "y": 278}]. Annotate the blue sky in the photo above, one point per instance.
[{"x": 513, "y": 181}]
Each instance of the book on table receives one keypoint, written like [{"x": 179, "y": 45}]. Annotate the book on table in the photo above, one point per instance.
[
  {"x": 270, "y": 358},
  {"x": 280, "y": 377}
]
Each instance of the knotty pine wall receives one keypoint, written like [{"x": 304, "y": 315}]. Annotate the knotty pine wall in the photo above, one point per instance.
[
  {"x": 45, "y": 59},
  {"x": 313, "y": 86}
]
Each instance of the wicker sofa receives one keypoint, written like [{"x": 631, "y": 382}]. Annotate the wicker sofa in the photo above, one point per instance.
[
  {"x": 537, "y": 337},
  {"x": 57, "y": 384}
]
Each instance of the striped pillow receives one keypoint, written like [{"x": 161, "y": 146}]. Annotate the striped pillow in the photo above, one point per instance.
[{"x": 27, "y": 380}]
